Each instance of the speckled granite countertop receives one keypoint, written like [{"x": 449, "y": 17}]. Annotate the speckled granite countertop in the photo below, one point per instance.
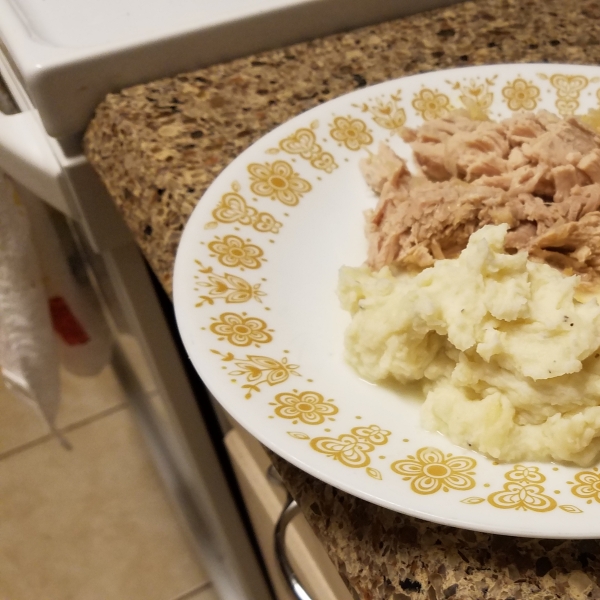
[{"x": 158, "y": 147}]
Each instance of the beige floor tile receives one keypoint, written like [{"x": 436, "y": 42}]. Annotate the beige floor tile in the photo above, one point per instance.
[
  {"x": 92, "y": 523},
  {"x": 20, "y": 422},
  {"x": 206, "y": 594},
  {"x": 81, "y": 397},
  {"x": 84, "y": 397},
  {"x": 209, "y": 594}
]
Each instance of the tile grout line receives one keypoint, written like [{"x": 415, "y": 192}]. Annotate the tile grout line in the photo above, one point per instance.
[
  {"x": 67, "y": 429},
  {"x": 26, "y": 446},
  {"x": 189, "y": 594},
  {"x": 103, "y": 413}
]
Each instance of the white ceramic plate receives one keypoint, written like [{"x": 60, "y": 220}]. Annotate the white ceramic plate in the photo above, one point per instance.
[{"x": 254, "y": 288}]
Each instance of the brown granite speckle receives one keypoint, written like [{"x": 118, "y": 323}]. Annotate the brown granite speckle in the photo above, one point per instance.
[{"x": 157, "y": 148}]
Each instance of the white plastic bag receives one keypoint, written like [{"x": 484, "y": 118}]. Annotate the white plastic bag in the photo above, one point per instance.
[{"x": 29, "y": 357}]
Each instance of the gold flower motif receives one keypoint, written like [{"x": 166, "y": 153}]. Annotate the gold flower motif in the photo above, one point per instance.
[
  {"x": 373, "y": 434},
  {"x": 278, "y": 181},
  {"x": 325, "y": 162},
  {"x": 523, "y": 492},
  {"x": 520, "y": 473},
  {"x": 431, "y": 104},
  {"x": 308, "y": 407},
  {"x": 568, "y": 88},
  {"x": 521, "y": 95},
  {"x": 588, "y": 485},
  {"x": 304, "y": 143},
  {"x": 259, "y": 370},
  {"x": 232, "y": 251},
  {"x": 387, "y": 113},
  {"x": 240, "y": 330},
  {"x": 476, "y": 97},
  {"x": 232, "y": 208},
  {"x": 522, "y": 496},
  {"x": 431, "y": 471},
  {"x": 231, "y": 288},
  {"x": 347, "y": 448},
  {"x": 265, "y": 222},
  {"x": 352, "y": 449},
  {"x": 353, "y": 133}
]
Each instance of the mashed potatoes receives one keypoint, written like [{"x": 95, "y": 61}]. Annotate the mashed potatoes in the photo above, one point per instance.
[{"x": 508, "y": 357}]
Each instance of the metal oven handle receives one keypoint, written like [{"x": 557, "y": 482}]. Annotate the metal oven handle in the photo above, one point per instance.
[{"x": 289, "y": 512}]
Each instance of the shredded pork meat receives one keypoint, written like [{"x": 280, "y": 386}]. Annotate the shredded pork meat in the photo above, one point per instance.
[{"x": 536, "y": 172}]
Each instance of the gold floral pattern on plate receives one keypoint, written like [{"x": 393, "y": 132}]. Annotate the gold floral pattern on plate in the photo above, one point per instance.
[
  {"x": 523, "y": 491},
  {"x": 241, "y": 330},
  {"x": 476, "y": 96},
  {"x": 569, "y": 508},
  {"x": 431, "y": 104},
  {"x": 233, "y": 208},
  {"x": 473, "y": 500},
  {"x": 278, "y": 181},
  {"x": 352, "y": 133},
  {"x": 568, "y": 89},
  {"x": 430, "y": 470},
  {"x": 352, "y": 449},
  {"x": 259, "y": 370},
  {"x": 387, "y": 113},
  {"x": 520, "y": 94},
  {"x": 233, "y": 251},
  {"x": 228, "y": 287},
  {"x": 587, "y": 485},
  {"x": 303, "y": 142},
  {"x": 309, "y": 407}
]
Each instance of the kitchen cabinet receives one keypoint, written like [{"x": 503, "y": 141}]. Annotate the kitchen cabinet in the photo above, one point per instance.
[{"x": 266, "y": 498}]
